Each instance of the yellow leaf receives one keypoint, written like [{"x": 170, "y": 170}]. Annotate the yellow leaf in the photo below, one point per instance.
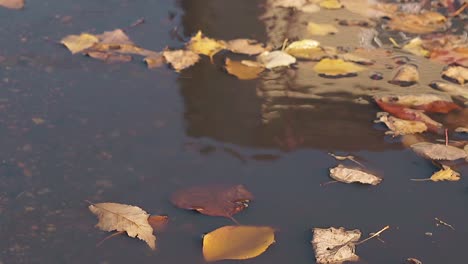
[
  {"x": 306, "y": 49},
  {"x": 78, "y": 43},
  {"x": 237, "y": 242},
  {"x": 415, "y": 47},
  {"x": 206, "y": 46},
  {"x": 331, "y": 4},
  {"x": 12, "y": 4},
  {"x": 321, "y": 29},
  {"x": 122, "y": 217},
  {"x": 241, "y": 70},
  {"x": 337, "y": 67},
  {"x": 446, "y": 174}
]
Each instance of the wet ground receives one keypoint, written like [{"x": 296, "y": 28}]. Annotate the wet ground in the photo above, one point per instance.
[{"x": 74, "y": 129}]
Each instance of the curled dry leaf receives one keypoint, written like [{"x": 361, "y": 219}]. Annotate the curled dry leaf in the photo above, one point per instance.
[
  {"x": 242, "y": 71},
  {"x": 237, "y": 242},
  {"x": 337, "y": 68},
  {"x": 12, "y": 4},
  {"x": 421, "y": 23},
  {"x": 347, "y": 175},
  {"x": 445, "y": 174},
  {"x": 275, "y": 59},
  {"x": 204, "y": 45},
  {"x": 406, "y": 75},
  {"x": 455, "y": 73},
  {"x": 181, "y": 59},
  {"x": 427, "y": 102},
  {"x": 438, "y": 151},
  {"x": 335, "y": 245},
  {"x": 321, "y": 29},
  {"x": 399, "y": 126},
  {"x": 245, "y": 46},
  {"x": 452, "y": 89},
  {"x": 122, "y": 217},
  {"x": 213, "y": 200}
]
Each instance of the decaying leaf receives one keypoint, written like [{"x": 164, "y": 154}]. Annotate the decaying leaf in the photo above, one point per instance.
[
  {"x": 275, "y": 59},
  {"x": 355, "y": 58},
  {"x": 427, "y": 102},
  {"x": 452, "y": 89},
  {"x": 406, "y": 75},
  {"x": 242, "y": 71},
  {"x": 237, "y": 242},
  {"x": 213, "y": 200},
  {"x": 421, "y": 23},
  {"x": 399, "y": 126},
  {"x": 438, "y": 151},
  {"x": 245, "y": 46},
  {"x": 181, "y": 59},
  {"x": 456, "y": 73},
  {"x": 12, "y": 4},
  {"x": 335, "y": 245},
  {"x": 448, "y": 55},
  {"x": 321, "y": 29},
  {"x": 337, "y": 68},
  {"x": 122, "y": 217},
  {"x": 445, "y": 174},
  {"x": 204, "y": 45},
  {"x": 347, "y": 175}
]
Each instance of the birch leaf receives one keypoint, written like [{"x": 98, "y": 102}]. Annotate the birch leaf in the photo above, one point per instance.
[
  {"x": 237, "y": 242},
  {"x": 337, "y": 68},
  {"x": 204, "y": 45},
  {"x": 347, "y": 175},
  {"x": 181, "y": 59},
  {"x": 438, "y": 151},
  {"x": 242, "y": 71},
  {"x": 414, "y": 46},
  {"x": 335, "y": 245},
  {"x": 122, "y": 217},
  {"x": 445, "y": 174},
  {"x": 275, "y": 59}
]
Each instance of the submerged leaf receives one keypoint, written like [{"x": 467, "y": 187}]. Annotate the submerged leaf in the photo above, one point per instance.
[
  {"x": 347, "y": 175},
  {"x": 213, "y": 200},
  {"x": 337, "y": 68},
  {"x": 438, "y": 151},
  {"x": 237, "y": 242},
  {"x": 321, "y": 29},
  {"x": 275, "y": 59},
  {"x": 242, "y": 71},
  {"x": 122, "y": 217},
  {"x": 452, "y": 89},
  {"x": 204, "y": 45},
  {"x": 335, "y": 245},
  {"x": 181, "y": 59}
]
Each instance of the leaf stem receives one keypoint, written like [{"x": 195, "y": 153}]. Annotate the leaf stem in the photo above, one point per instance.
[{"x": 374, "y": 235}]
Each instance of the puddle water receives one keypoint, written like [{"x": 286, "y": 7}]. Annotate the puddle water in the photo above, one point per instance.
[{"x": 73, "y": 129}]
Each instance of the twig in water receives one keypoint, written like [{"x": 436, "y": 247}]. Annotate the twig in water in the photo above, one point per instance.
[
  {"x": 374, "y": 235},
  {"x": 446, "y": 137},
  {"x": 349, "y": 157},
  {"x": 440, "y": 222}
]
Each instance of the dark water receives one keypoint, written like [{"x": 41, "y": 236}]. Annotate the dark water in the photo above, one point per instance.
[{"x": 123, "y": 133}]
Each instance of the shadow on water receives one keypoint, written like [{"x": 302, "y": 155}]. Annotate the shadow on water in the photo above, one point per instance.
[{"x": 123, "y": 133}]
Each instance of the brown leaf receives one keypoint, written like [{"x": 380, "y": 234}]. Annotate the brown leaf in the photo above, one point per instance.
[
  {"x": 427, "y": 102},
  {"x": 245, "y": 46},
  {"x": 438, "y": 151},
  {"x": 242, "y": 71},
  {"x": 181, "y": 59},
  {"x": 347, "y": 175},
  {"x": 213, "y": 200},
  {"x": 12, "y": 4},
  {"x": 158, "y": 222},
  {"x": 399, "y": 126},
  {"x": 154, "y": 61},
  {"x": 335, "y": 245},
  {"x": 421, "y": 23}
]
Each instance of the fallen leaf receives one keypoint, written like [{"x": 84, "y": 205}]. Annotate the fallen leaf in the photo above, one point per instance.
[
  {"x": 399, "y": 126},
  {"x": 421, "y": 23},
  {"x": 213, "y": 200},
  {"x": 347, "y": 175},
  {"x": 438, "y": 151},
  {"x": 455, "y": 73},
  {"x": 355, "y": 58},
  {"x": 415, "y": 47},
  {"x": 109, "y": 56},
  {"x": 335, "y": 245},
  {"x": 204, "y": 45},
  {"x": 237, "y": 242},
  {"x": 38, "y": 120},
  {"x": 12, "y": 4},
  {"x": 414, "y": 261},
  {"x": 371, "y": 9},
  {"x": 289, "y": 3},
  {"x": 427, "y": 102},
  {"x": 154, "y": 61},
  {"x": 122, "y": 217},
  {"x": 331, "y": 4},
  {"x": 245, "y": 46},
  {"x": 79, "y": 43},
  {"x": 452, "y": 89},
  {"x": 337, "y": 68},
  {"x": 275, "y": 59},
  {"x": 242, "y": 71},
  {"x": 181, "y": 59},
  {"x": 321, "y": 29},
  {"x": 306, "y": 49},
  {"x": 458, "y": 55},
  {"x": 158, "y": 222},
  {"x": 445, "y": 174},
  {"x": 461, "y": 130},
  {"x": 406, "y": 75}
]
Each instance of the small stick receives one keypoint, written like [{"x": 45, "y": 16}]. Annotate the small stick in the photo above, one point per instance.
[
  {"x": 460, "y": 10},
  {"x": 233, "y": 219},
  {"x": 285, "y": 42},
  {"x": 444, "y": 223},
  {"x": 351, "y": 158},
  {"x": 446, "y": 137},
  {"x": 374, "y": 235}
]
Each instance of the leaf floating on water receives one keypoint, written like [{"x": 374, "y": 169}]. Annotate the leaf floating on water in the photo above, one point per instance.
[
  {"x": 275, "y": 59},
  {"x": 438, "y": 151},
  {"x": 213, "y": 200},
  {"x": 399, "y": 126},
  {"x": 12, "y": 4},
  {"x": 347, "y": 175},
  {"x": 331, "y": 4},
  {"x": 406, "y": 75},
  {"x": 204, "y": 45},
  {"x": 307, "y": 49},
  {"x": 242, "y": 71},
  {"x": 237, "y": 242},
  {"x": 421, "y": 23},
  {"x": 158, "y": 222},
  {"x": 371, "y": 9},
  {"x": 452, "y": 89},
  {"x": 181, "y": 59},
  {"x": 455, "y": 73},
  {"x": 321, "y": 29},
  {"x": 289, "y": 3},
  {"x": 335, "y": 245},
  {"x": 155, "y": 61},
  {"x": 122, "y": 217},
  {"x": 414, "y": 46},
  {"x": 413, "y": 261},
  {"x": 79, "y": 43},
  {"x": 245, "y": 46},
  {"x": 427, "y": 102},
  {"x": 445, "y": 174},
  {"x": 337, "y": 68}
]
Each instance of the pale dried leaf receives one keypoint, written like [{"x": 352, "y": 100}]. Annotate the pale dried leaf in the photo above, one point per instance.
[
  {"x": 122, "y": 217},
  {"x": 245, "y": 46},
  {"x": 115, "y": 37},
  {"x": 289, "y": 3},
  {"x": 335, "y": 245},
  {"x": 456, "y": 73},
  {"x": 331, "y": 4},
  {"x": 181, "y": 59},
  {"x": 347, "y": 175},
  {"x": 452, "y": 89},
  {"x": 420, "y": 23},
  {"x": 414, "y": 46},
  {"x": 406, "y": 75},
  {"x": 79, "y": 43},
  {"x": 275, "y": 59},
  {"x": 445, "y": 174},
  {"x": 154, "y": 61},
  {"x": 438, "y": 151},
  {"x": 399, "y": 126}
]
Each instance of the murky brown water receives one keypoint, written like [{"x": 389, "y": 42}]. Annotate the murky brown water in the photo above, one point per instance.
[{"x": 123, "y": 133}]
